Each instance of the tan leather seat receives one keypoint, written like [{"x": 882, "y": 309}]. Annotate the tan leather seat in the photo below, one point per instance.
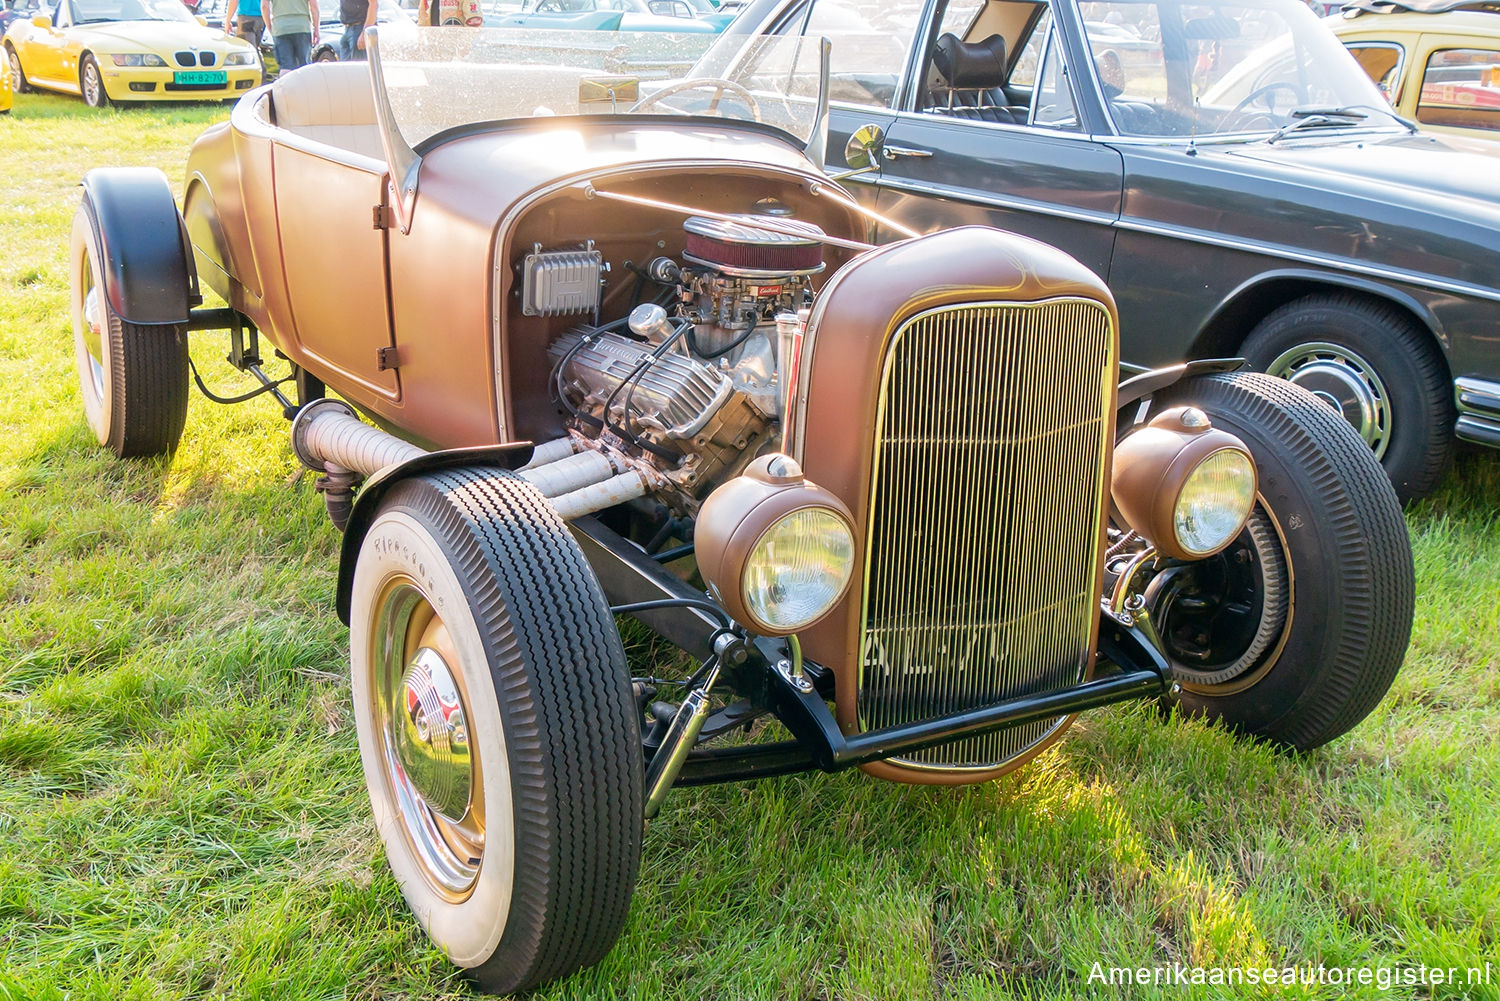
[{"x": 329, "y": 103}]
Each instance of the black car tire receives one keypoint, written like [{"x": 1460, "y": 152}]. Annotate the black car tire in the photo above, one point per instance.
[
  {"x": 133, "y": 377},
  {"x": 1333, "y": 562},
  {"x": 91, "y": 82},
  {"x": 325, "y": 55},
  {"x": 541, "y": 677},
  {"x": 1385, "y": 358},
  {"x": 18, "y": 80}
]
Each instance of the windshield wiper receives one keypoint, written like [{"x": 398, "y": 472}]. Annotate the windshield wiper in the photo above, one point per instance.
[
  {"x": 1349, "y": 114},
  {"x": 1315, "y": 117}
]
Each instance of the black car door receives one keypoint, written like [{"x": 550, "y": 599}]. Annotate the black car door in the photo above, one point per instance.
[{"x": 1008, "y": 148}]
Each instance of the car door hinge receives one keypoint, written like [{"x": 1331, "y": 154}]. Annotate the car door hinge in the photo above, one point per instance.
[
  {"x": 381, "y": 217},
  {"x": 387, "y": 358}
]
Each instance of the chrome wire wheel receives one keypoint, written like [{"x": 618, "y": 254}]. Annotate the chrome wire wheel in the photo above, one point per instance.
[
  {"x": 422, "y": 719},
  {"x": 1345, "y": 381}
]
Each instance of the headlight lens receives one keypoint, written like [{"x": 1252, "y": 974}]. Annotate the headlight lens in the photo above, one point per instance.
[
  {"x": 1215, "y": 501},
  {"x": 798, "y": 569},
  {"x": 137, "y": 59},
  {"x": 239, "y": 59}
]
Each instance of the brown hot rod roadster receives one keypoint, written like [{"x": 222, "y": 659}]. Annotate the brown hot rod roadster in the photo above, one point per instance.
[{"x": 613, "y": 344}]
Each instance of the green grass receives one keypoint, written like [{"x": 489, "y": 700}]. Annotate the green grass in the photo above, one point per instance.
[{"x": 182, "y": 812}]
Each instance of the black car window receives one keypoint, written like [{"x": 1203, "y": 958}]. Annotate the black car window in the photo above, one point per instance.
[
  {"x": 982, "y": 64},
  {"x": 1053, "y": 105},
  {"x": 1461, "y": 87},
  {"x": 1382, "y": 61}
]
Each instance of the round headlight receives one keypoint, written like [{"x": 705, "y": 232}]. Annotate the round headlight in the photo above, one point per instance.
[
  {"x": 1214, "y": 502},
  {"x": 239, "y": 59},
  {"x": 776, "y": 550},
  {"x": 1183, "y": 484},
  {"x": 798, "y": 569}
]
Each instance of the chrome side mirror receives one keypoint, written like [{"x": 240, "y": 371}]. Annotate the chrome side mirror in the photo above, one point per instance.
[{"x": 862, "y": 151}]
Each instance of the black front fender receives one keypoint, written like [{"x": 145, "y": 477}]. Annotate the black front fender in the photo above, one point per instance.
[
  {"x": 141, "y": 244},
  {"x": 367, "y": 504}
]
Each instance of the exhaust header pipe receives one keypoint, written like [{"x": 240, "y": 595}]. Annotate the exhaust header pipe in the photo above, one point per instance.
[{"x": 329, "y": 438}]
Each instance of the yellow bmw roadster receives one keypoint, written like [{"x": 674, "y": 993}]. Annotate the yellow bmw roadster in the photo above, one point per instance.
[{"x": 128, "y": 50}]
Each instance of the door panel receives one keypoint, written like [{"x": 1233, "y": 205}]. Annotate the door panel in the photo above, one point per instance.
[
  {"x": 1058, "y": 189},
  {"x": 335, "y": 265}
]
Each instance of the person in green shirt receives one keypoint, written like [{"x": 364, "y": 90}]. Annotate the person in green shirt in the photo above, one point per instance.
[{"x": 294, "y": 30}]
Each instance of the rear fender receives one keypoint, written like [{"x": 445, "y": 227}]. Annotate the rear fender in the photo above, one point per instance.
[{"x": 142, "y": 245}]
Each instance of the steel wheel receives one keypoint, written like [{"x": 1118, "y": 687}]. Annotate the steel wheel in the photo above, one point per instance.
[
  {"x": 1296, "y": 631},
  {"x": 91, "y": 83},
  {"x": 1376, "y": 366},
  {"x": 1339, "y": 377},
  {"x": 421, "y": 721},
  {"x": 497, "y": 727},
  {"x": 133, "y": 377}
]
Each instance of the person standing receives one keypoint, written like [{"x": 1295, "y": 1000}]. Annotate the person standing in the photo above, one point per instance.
[
  {"x": 248, "y": 25},
  {"x": 294, "y": 30},
  {"x": 356, "y": 16}
]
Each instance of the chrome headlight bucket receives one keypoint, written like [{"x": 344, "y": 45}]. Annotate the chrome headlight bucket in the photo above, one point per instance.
[
  {"x": 1184, "y": 485},
  {"x": 776, "y": 550}
]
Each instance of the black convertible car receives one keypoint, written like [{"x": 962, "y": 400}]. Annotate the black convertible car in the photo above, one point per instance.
[{"x": 1225, "y": 166}]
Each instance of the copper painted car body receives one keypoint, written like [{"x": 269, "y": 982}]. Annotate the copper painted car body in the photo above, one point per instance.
[{"x": 607, "y": 323}]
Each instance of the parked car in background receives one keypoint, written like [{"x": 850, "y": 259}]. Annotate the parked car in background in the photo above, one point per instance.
[
  {"x": 677, "y": 16},
  {"x": 17, "y": 10},
  {"x": 1226, "y": 166},
  {"x": 1438, "y": 63},
  {"x": 5, "y": 93},
  {"x": 125, "y": 51},
  {"x": 390, "y": 14},
  {"x": 631, "y": 353}
]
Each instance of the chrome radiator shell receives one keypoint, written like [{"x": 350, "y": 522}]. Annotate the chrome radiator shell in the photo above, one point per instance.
[{"x": 987, "y": 498}]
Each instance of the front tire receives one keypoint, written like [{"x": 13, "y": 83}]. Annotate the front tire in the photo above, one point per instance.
[
  {"x": 1297, "y": 630},
  {"x": 1373, "y": 364},
  {"x": 499, "y": 736},
  {"x": 18, "y": 81},
  {"x": 91, "y": 82},
  {"x": 133, "y": 377}
]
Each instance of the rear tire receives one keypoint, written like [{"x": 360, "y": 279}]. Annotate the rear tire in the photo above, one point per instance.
[
  {"x": 133, "y": 377},
  {"x": 18, "y": 81},
  {"x": 91, "y": 82},
  {"x": 1370, "y": 361},
  {"x": 521, "y": 869},
  {"x": 1297, "y": 630}
]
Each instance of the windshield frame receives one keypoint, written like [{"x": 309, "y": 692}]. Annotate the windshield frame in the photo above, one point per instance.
[{"x": 405, "y": 160}]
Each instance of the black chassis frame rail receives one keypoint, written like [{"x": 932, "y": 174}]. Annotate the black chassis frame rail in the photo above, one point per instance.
[{"x": 1128, "y": 667}]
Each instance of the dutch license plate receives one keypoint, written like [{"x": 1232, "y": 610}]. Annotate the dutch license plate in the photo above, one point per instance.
[{"x": 201, "y": 77}]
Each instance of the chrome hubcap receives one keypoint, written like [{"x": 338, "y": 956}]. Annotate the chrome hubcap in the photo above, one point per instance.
[
  {"x": 420, "y": 713},
  {"x": 432, "y": 735},
  {"x": 91, "y": 84},
  {"x": 93, "y": 331},
  {"x": 1344, "y": 381}
]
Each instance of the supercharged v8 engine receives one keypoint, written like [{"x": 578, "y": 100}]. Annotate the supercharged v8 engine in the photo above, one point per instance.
[{"x": 688, "y": 389}]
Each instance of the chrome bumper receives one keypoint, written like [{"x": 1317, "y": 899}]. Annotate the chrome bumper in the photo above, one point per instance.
[{"x": 1478, "y": 411}]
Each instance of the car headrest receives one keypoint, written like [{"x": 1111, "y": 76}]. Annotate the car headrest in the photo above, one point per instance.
[{"x": 970, "y": 65}]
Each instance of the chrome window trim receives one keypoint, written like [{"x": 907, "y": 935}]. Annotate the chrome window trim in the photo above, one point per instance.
[{"x": 1400, "y": 70}]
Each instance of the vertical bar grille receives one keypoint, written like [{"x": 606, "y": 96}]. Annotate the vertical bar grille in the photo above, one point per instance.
[{"x": 985, "y": 510}]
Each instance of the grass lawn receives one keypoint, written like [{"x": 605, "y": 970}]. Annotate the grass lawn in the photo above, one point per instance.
[{"x": 182, "y": 812}]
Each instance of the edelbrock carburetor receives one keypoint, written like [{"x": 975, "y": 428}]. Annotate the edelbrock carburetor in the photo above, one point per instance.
[{"x": 699, "y": 392}]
